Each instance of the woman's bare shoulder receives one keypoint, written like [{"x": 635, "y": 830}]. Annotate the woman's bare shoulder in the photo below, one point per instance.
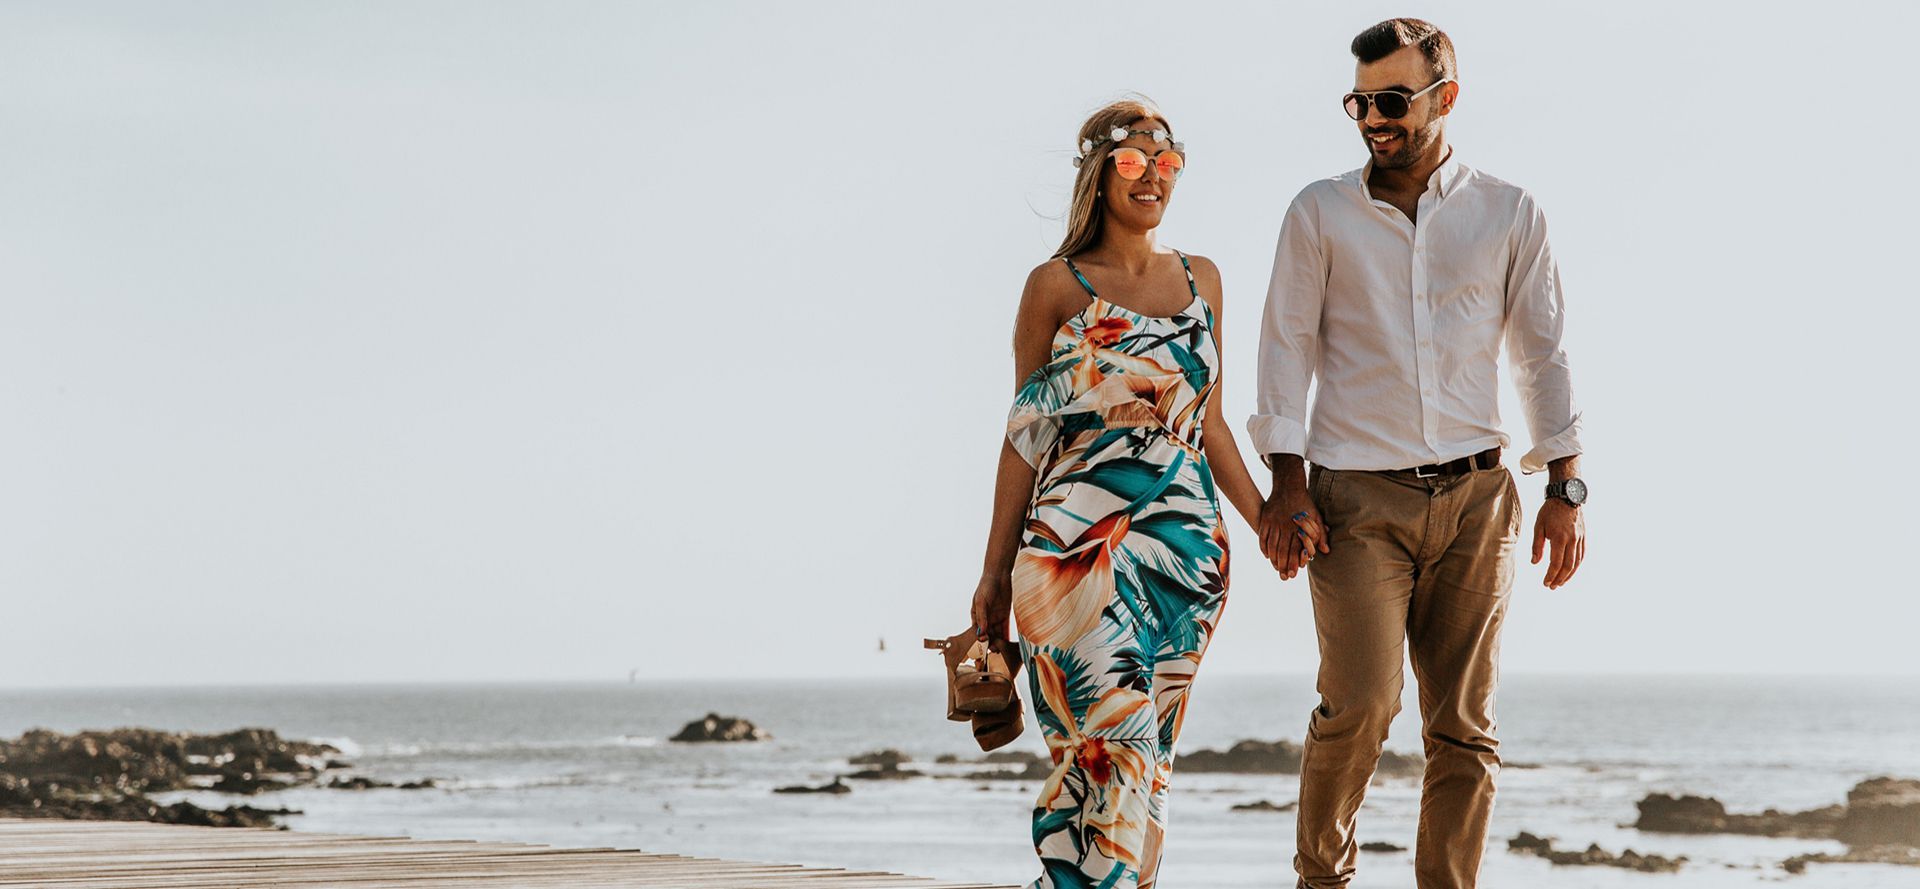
[
  {"x": 1053, "y": 292},
  {"x": 1051, "y": 277}
]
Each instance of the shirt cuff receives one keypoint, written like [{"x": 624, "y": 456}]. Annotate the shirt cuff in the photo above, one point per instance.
[
  {"x": 1565, "y": 443},
  {"x": 1275, "y": 434}
]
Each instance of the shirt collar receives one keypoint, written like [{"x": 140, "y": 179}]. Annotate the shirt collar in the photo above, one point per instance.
[
  {"x": 1444, "y": 177},
  {"x": 1448, "y": 175}
]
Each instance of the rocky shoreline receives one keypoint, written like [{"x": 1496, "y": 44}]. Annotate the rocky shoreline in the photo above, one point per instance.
[
  {"x": 1528, "y": 844},
  {"x": 1878, "y": 812},
  {"x": 1879, "y": 822},
  {"x": 116, "y": 775},
  {"x": 112, "y": 775}
]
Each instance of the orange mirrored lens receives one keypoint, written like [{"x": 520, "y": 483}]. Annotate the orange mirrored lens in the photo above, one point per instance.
[
  {"x": 1131, "y": 162},
  {"x": 1170, "y": 163}
]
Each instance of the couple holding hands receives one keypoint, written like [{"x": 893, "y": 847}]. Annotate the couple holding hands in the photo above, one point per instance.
[{"x": 1395, "y": 286}]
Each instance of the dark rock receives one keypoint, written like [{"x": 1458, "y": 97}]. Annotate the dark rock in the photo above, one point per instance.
[
  {"x": 24, "y": 798},
  {"x": 1681, "y": 814},
  {"x": 109, "y": 774},
  {"x": 362, "y": 782},
  {"x": 261, "y": 750},
  {"x": 1245, "y": 757},
  {"x": 1381, "y": 847},
  {"x": 721, "y": 728},
  {"x": 1282, "y": 757},
  {"x": 357, "y": 782},
  {"x": 946, "y": 759},
  {"x": 137, "y": 760},
  {"x": 1021, "y": 757},
  {"x": 1882, "y": 812},
  {"x": 249, "y": 783},
  {"x": 836, "y": 787},
  {"x": 886, "y": 773},
  {"x": 1264, "y": 805},
  {"x": 1660, "y": 813},
  {"x": 1901, "y": 855},
  {"x": 1528, "y": 844},
  {"x": 231, "y": 816},
  {"x": 882, "y": 758}
]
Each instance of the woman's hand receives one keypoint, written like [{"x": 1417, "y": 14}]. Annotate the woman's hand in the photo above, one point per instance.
[{"x": 992, "y": 600}]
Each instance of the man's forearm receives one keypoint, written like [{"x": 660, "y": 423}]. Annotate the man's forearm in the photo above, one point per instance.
[
  {"x": 1564, "y": 468},
  {"x": 1289, "y": 471}
]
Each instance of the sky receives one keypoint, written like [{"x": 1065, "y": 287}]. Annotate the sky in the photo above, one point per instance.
[{"x": 372, "y": 342}]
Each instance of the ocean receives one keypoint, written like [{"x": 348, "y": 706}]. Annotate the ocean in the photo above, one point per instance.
[{"x": 589, "y": 764}]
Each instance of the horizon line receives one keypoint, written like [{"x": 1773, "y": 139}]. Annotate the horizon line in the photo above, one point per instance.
[{"x": 870, "y": 678}]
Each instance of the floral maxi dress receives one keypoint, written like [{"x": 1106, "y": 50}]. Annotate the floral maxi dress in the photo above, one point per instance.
[{"x": 1120, "y": 578}]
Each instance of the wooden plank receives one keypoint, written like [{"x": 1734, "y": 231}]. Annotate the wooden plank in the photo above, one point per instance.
[{"x": 138, "y": 855}]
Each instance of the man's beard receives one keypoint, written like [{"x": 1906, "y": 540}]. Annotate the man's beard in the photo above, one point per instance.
[{"x": 1411, "y": 146}]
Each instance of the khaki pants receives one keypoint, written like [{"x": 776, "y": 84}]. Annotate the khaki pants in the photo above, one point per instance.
[{"x": 1425, "y": 563}]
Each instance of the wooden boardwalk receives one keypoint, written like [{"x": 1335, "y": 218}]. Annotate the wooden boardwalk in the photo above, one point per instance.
[{"x": 138, "y": 855}]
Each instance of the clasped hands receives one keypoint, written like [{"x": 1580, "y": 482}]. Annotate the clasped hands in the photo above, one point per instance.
[{"x": 1291, "y": 532}]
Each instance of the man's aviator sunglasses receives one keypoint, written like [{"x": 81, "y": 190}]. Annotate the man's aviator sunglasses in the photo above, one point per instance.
[{"x": 1393, "y": 104}]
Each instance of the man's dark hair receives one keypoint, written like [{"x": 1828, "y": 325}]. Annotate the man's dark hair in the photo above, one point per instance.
[{"x": 1383, "y": 39}]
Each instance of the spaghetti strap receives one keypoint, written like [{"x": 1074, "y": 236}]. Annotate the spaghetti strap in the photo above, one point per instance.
[
  {"x": 1204, "y": 305},
  {"x": 1079, "y": 277}
]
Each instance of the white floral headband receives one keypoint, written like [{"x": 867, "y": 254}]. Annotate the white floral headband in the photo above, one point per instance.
[{"x": 1120, "y": 133}]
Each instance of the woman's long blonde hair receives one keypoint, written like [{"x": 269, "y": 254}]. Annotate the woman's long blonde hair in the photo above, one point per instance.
[{"x": 1083, "y": 213}]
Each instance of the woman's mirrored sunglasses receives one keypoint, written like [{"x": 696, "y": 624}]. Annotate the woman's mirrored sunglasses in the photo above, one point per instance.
[{"x": 1131, "y": 163}]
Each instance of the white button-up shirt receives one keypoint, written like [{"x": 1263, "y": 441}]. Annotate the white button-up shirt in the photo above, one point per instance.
[{"x": 1403, "y": 323}]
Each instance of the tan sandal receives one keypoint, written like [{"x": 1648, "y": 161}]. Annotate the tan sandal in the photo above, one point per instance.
[
  {"x": 979, "y": 674},
  {"x": 995, "y": 730}
]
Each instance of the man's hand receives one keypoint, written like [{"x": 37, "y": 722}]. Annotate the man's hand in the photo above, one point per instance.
[
  {"x": 1562, "y": 524},
  {"x": 1291, "y": 531}
]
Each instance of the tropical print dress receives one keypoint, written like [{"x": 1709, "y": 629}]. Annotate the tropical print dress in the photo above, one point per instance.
[{"x": 1120, "y": 578}]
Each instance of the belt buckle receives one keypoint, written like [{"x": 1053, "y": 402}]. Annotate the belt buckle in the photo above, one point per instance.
[{"x": 1418, "y": 474}]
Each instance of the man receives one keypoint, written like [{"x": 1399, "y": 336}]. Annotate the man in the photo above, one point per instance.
[{"x": 1396, "y": 285}]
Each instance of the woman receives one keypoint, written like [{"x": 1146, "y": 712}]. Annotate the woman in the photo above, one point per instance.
[{"x": 1107, "y": 540}]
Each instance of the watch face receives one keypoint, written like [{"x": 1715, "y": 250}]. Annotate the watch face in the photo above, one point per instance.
[{"x": 1576, "y": 491}]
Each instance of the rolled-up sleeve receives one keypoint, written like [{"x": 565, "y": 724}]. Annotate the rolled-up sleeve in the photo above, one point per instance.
[
  {"x": 1536, "y": 316},
  {"x": 1289, "y": 335}
]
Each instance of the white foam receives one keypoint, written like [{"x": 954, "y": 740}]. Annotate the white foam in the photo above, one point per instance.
[{"x": 347, "y": 746}]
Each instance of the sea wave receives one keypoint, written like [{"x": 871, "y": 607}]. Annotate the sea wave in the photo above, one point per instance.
[
  {"x": 347, "y": 746},
  {"x": 485, "y": 748},
  {"x": 524, "y": 783}
]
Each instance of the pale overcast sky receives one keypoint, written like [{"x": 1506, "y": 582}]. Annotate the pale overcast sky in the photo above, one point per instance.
[{"x": 470, "y": 341}]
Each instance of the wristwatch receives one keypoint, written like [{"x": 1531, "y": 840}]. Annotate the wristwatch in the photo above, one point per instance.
[{"x": 1573, "y": 491}]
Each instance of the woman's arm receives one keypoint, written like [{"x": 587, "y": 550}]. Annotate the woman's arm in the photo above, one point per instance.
[
  {"x": 1230, "y": 473},
  {"x": 1034, "y": 326}
]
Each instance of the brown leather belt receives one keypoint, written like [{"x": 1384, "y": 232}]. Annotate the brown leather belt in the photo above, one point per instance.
[{"x": 1486, "y": 459}]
